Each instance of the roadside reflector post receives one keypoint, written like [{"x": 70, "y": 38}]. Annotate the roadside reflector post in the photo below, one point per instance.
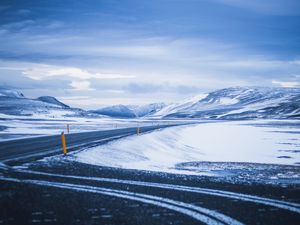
[
  {"x": 63, "y": 142},
  {"x": 138, "y": 130},
  {"x": 68, "y": 128}
]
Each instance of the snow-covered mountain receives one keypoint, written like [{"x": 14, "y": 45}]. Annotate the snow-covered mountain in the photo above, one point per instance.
[
  {"x": 130, "y": 111},
  {"x": 15, "y": 103},
  {"x": 180, "y": 106},
  {"x": 230, "y": 103},
  {"x": 146, "y": 110},
  {"x": 52, "y": 100},
  {"x": 120, "y": 111},
  {"x": 238, "y": 103},
  {"x": 6, "y": 92}
]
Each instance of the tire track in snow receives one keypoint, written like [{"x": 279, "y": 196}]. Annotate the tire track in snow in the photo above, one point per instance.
[
  {"x": 201, "y": 214},
  {"x": 293, "y": 207}
]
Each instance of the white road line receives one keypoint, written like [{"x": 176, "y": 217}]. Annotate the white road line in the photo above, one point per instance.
[
  {"x": 293, "y": 207},
  {"x": 204, "y": 215}
]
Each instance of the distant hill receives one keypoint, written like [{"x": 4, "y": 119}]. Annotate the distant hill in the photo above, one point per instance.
[
  {"x": 233, "y": 103},
  {"x": 120, "y": 111},
  {"x": 238, "y": 103},
  {"x": 130, "y": 111},
  {"x": 52, "y": 100},
  {"x": 13, "y": 102},
  {"x": 146, "y": 110},
  {"x": 6, "y": 92}
]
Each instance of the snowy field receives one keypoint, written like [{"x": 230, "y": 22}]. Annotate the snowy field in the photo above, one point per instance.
[
  {"x": 14, "y": 127},
  {"x": 180, "y": 149}
]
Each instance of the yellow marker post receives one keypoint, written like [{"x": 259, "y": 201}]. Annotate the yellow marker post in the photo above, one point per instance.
[
  {"x": 63, "y": 142},
  {"x": 68, "y": 128}
]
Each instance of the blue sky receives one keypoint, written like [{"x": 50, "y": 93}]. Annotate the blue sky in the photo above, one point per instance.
[{"x": 93, "y": 53}]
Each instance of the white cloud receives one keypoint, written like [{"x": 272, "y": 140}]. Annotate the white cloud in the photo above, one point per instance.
[
  {"x": 81, "y": 85},
  {"x": 80, "y": 79},
  {"x": 253, "y": 63},
  {"x": 287, "y": 84},
  {"x": 41, "y": 72}
]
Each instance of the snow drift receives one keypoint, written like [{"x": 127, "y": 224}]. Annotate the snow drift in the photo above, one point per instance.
[{"x": 165, "y": 150}]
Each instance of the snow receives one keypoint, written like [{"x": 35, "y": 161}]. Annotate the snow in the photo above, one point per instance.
[
  {"x": 10, "y": 93},
  {"x": 21, "y": 128},
  {"x": 239, "y": 102},
  {"x": 228, "y": 101},
  {"x": 163, "y": 150},
  {"x": 55, "y": 121},
  {"x": 258, "y": 106},
  {"x": 146, "y": 110},
  {"x": 185, "y": 104},
  {"x": 120, "y": 111},
  {"x": 52, "y": 100}
]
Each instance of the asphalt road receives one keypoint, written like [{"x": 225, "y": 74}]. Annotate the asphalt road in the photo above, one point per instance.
[{"x": 13, "y": 152}]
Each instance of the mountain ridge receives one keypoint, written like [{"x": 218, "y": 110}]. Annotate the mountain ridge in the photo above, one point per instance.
[
  {"x": 15, "y": 103},
  {"x": 241, "y": 103},
  {"x": 234, "y": 103}
]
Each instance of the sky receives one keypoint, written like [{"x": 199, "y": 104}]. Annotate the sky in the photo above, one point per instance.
[{"x": 103, "y": 52}]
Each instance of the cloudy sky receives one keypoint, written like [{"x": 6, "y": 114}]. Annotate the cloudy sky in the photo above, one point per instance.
[{"x": 101, "y": 52}]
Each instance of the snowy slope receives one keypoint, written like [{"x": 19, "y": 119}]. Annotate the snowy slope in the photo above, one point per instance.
[
  {"x": 146, "y": 110},
  {"x": 239, "y": 103},
  {"x": 230, "y": 103},
  {"x": 14, "y": 103},
  {"x": 168, "y": 149},
  {"x": 52, "y": 100},
  {"x": 184, "y": 105},
  {"x": 6, "y": 92}
]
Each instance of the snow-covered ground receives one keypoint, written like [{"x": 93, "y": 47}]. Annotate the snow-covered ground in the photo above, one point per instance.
[
  {"x": 266, "y": 142},
  {"x": 17, "y": 126}
]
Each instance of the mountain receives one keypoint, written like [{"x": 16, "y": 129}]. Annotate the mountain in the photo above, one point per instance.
[
  {"x": 130, "y": 111},
  {"x": 52, "y": 100},
  {"x": 233, "y": 103},
  {"x": 6, "y": 92},
  {"x": 180, "y": 106},
  {"x": 146, "y": 110},
  {"x": 14, "y": 103},
  {"x": 238, "y": 103},
  {"x": 120, "y": 111}
]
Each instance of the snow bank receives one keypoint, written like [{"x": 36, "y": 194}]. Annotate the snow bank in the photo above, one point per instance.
[{"x": 216, "y": 142}]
